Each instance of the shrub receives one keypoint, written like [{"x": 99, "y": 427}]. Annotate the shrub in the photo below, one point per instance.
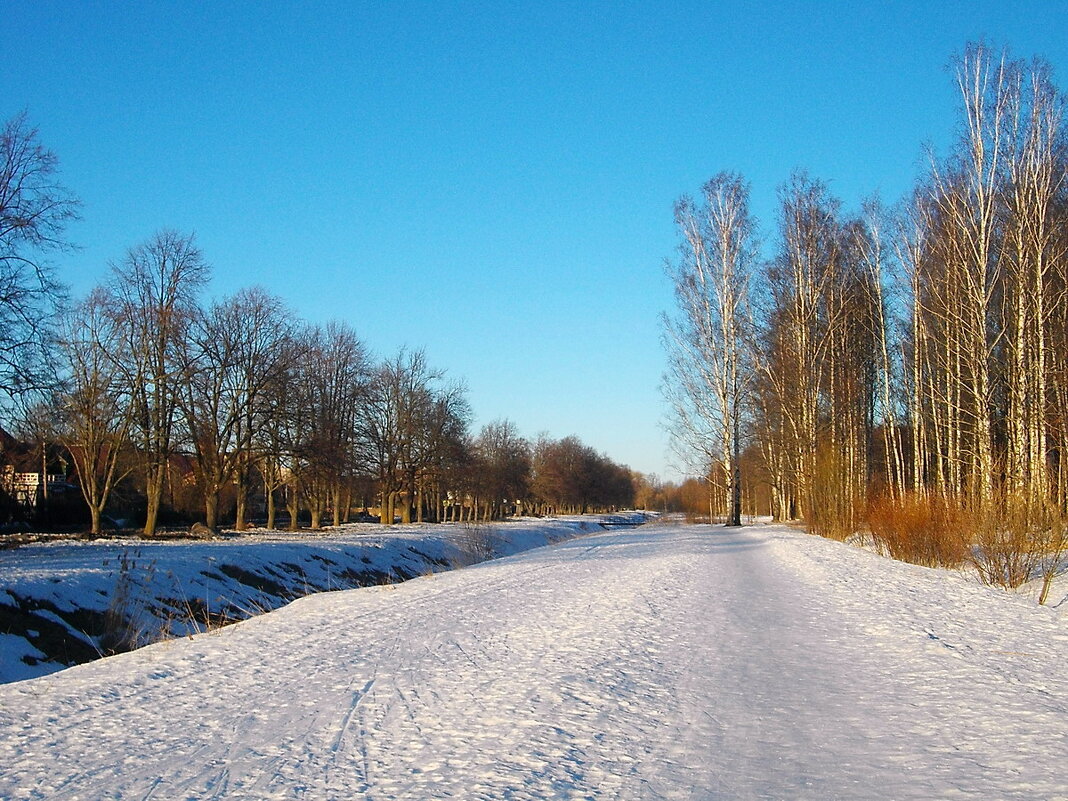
[
  {"x": 1009, "y": 542},
  {"x": 832, "y": 502},
  {"x": 1055, "y": 558},
  {"x": 922, "y": 530},
  {"x": 1021, "y": 541}
]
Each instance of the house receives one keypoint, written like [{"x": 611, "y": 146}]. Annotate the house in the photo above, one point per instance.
[
  {"x": 20, "y": 471},
  {"x": 26, "y": 487}
]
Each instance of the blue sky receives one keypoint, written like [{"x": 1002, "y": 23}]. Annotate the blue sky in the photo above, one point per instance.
[{"x": 492, "y": 182}]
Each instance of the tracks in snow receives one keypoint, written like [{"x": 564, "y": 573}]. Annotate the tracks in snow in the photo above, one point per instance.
[{"x": 649, "y": 664}]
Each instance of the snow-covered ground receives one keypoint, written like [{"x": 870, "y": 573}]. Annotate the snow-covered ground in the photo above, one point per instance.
[
  {"x": 62, "y": 603},
  {"x": 660, "y": 662}
]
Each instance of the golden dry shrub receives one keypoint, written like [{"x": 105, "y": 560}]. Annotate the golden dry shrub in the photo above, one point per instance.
[{"x": 929, "y": 531}]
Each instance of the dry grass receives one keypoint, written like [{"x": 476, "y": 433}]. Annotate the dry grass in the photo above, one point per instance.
[{"x": 477, "y": 543}]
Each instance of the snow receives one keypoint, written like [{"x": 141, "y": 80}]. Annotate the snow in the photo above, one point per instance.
[
  {"x": 653, "y": 663},
  {"x": 60, "y": 601}
]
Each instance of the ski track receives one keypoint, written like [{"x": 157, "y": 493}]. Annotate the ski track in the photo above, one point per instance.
[{"x": 660, "y": 663}]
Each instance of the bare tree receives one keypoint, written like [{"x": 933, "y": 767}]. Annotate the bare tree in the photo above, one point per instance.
[
  {"x": 801, "y": 343},
  {"x": 153, "y": 295},
  {"x": 708, "y": 378},
  {"x": 409, "y": 423},
  {"x": 389, "y": 424},
  {"x": 1034, "y": 179},
  {"x": 279, "y": 426},
  {"x": 876, "y": 261},
  {"x": 986, "y": 260},
  {"x": 285, "y": 440},
  {"x": 504, "y": 459},
  {"x": 94, "y": 403},
  {"x": 234, "y": 352},
  {"x": 380, "y": 433},
  {"x": 964, "y": 195},
  {"x": 336, "y": 377},
  {"x": 34, "y": 212},
  {"x": 568, "y": 476},
  {"x": 443, "y": 428}
]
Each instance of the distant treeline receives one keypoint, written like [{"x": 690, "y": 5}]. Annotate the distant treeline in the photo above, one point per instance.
[{"x": 163, "y": 407}]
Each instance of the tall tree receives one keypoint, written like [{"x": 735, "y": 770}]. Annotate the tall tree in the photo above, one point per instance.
[
  {"x": 1034, "y": 183},
  {"x": 410, "y": 426},
  {"x": 235, "y": 350},
  {"x": 800, "y": 316},
  {"x": 34, "y": 212},
  {"x": 94, "y": 403},
  {"x": 504, "y": 459},
  {"x": 708, "y": 377},
  {"x": 986, "y": 263},
  {"x": 154, "y": 293},
  {"x": 279, "y": 430},
  {"x": 336, "y": 376},
  {"x": 397, "y": 398},
  {"x": 964, "y": 194}
]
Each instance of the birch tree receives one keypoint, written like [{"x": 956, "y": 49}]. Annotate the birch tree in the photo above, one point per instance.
[
  {"x": 964, "y": 194},
  {"x": 797, "y": 323},
  {"x": 708, "y": 375},
  {"x": 1033, "y": 184}
]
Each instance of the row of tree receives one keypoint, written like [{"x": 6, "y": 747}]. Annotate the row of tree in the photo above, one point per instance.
[
  {"x": 147, "y": 386},
  {"x": 921, "y": 349}
]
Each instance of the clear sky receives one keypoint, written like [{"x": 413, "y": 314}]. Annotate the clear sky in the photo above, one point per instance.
[{"x": 490, "y": 181}]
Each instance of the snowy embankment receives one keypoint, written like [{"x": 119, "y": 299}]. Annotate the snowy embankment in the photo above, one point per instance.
[
  {"x": 660, "y": 662},
  {"x": 64, "y": 603}
]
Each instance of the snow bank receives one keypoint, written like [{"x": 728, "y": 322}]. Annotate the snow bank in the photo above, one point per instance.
[{"x": 64, "y": 603}]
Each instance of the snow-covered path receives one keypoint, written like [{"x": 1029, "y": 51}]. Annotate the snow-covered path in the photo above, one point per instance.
[{"x": 667, "y": 662}]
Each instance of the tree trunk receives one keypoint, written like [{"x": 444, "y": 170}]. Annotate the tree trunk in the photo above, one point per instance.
[
  {"x": 390, "y": 511},
  {"x": 241, "y": 482},
  {"x": 293, "y": 506},
  {"x": 211, "y": 508},
  {"x": 337, "y": 505},
  {"x": 154, "y": 496},
  {"x": 44, "y": 474},
  {"x": 240, "y": 524}
]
